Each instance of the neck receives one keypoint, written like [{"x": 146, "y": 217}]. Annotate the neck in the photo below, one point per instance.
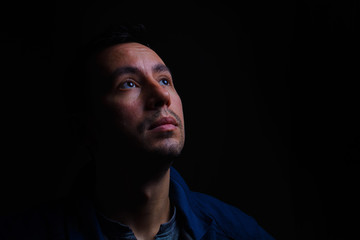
[{"x": 136, "y": 195}]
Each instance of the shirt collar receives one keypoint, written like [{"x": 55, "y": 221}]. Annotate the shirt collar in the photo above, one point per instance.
[
  {"x": 118, "y": 230},
  {"x": 197, "y": 223}
]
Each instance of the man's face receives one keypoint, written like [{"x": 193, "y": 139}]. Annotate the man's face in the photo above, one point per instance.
[{"x": 138, "y": 101}]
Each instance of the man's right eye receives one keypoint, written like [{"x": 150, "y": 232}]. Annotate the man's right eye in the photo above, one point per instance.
[{"x": 128, "y": 84}]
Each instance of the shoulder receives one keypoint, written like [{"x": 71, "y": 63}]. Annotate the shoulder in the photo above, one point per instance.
[{"x": 228, "y": 219}]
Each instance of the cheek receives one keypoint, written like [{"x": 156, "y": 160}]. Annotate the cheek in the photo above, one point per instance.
[
  {"x": 126, "y": 114},
  {"x": 177, "y": 106}
]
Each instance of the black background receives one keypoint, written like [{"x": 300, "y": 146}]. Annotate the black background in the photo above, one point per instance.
[{"x": 269, "y": 92}]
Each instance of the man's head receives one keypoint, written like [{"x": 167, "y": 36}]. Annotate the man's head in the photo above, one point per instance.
[{"x": 135, "y": 107}]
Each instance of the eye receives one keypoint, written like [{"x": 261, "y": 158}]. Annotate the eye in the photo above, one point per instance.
[
  {"x": 164, "y": 82},
  {"x": 128, "y": 84}
]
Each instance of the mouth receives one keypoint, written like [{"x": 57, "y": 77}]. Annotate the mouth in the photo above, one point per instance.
[{"x": 164, "y": 124}]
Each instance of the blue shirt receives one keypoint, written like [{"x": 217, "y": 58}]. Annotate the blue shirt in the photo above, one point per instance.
[
  {"x": 200, "y": 216},
  {"x": 114, "y": 230}
]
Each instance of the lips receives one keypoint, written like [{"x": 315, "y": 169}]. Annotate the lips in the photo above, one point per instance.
[{"x": 163, "y": 122}]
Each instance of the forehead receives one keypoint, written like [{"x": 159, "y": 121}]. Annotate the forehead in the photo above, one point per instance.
[{"x": 128, "y": 54}]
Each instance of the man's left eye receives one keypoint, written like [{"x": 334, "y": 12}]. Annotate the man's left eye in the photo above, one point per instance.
[{"x": 164, "y": 82}]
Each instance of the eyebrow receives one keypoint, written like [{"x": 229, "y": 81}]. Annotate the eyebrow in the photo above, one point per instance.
[
  {"x": 158, "y": 68},
  {"x": 125, "y": 70}
]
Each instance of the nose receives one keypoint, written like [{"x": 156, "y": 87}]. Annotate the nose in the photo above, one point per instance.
[{"x": 157, "y": 96}]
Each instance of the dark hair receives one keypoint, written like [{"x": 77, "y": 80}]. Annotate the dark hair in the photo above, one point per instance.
[
  {"x": 75, "y": 85},
  {"x": 117, "y": 34}
]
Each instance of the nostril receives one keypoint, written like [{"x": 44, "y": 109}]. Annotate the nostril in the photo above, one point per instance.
[{"x": 159, "y": 104}]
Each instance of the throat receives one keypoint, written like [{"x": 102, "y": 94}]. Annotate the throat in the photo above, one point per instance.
[
  {"x": 115, "y": 229},
  {"x": 141, "y": 205}
]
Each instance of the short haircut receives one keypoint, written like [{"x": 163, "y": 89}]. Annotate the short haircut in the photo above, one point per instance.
[
  {"x": 117, "y": 34},
  {"x": 76, "y": 84}
]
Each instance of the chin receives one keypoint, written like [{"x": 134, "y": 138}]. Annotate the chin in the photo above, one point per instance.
[{"x": 168, "y": 148}]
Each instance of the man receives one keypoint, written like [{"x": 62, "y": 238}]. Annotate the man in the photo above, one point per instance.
[{"x": 136, "y": 126}]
